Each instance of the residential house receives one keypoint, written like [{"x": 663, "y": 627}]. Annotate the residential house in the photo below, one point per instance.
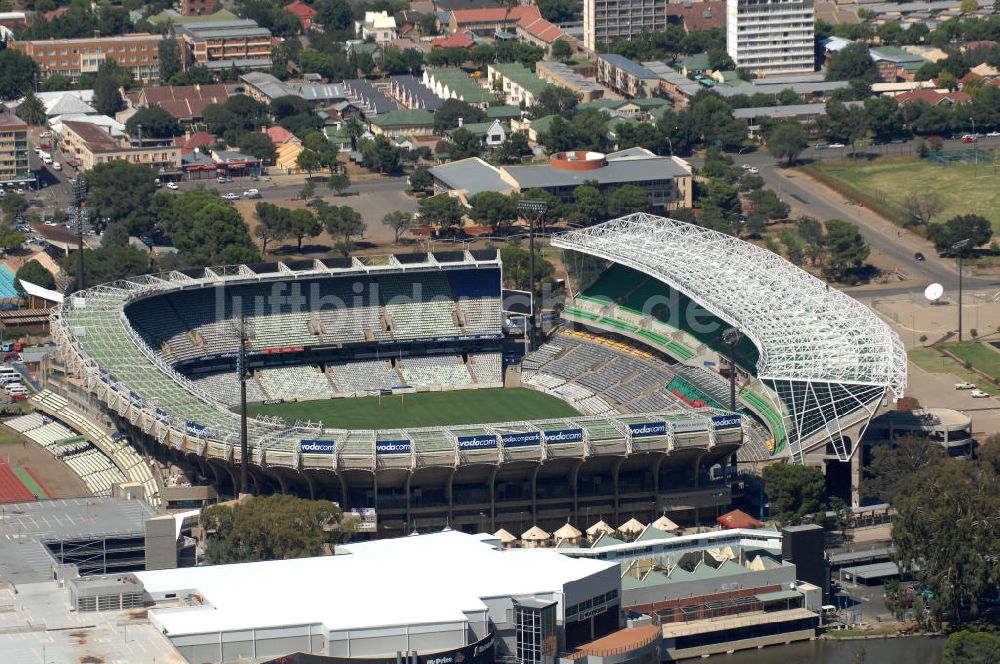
[
  {"x": 519, "y": 85},
  {"x": 491, "y": 134},
  {"x": 933, "y": 97},
  {"x": 378, "y": 26},
  {"x": 184, "y": 102},
  {"x": 893, "y": 63},
  {"x": 303, "y": 12},
  {"x": 525, "y": 21},
  {"x": 410, "y": 92},
  {"x": 449, "y": 83},
  {"x": 418, "y": 121},
  {"x": 287, "y": 147}
]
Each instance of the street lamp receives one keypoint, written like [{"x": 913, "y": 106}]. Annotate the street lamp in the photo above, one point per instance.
[
  {"x": 731, "y": 337},
  {"x": 959, "y": 247},
  {"x": 533, "y": 212},
  {"x": 975, "y": 146}
]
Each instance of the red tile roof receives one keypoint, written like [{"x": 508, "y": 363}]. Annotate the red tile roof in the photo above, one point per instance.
[
  {"x": 279, "y": 135},
  {"x": 541, "y": 29},
  {"x": 303, "y": 12},
  {"x": 183, "y": 101},
  {"x": 458, "y": 39},
  {"x": 933, "y": 97},
  {"x": 495, "y": 14},
  {"x": 195, "y": 140},
  {"x": 738, "y": 519},
  {"x": 700, "y": 15}
]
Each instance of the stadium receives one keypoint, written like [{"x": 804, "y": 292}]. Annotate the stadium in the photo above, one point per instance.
[{"x": 624, "y": 414}]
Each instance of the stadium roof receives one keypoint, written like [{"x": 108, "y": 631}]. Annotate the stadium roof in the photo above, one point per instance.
[
  {"x": 806, "y": 331},
  {"x": 456, "y": 571}
]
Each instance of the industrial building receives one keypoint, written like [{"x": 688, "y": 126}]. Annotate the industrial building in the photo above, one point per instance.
[
  {"x": 768, "y": 37},
  {"x": 435, "y": 596}
]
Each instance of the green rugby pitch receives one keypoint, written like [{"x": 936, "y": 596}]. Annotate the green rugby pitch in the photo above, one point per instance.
[{"x": 423, "y": 409}]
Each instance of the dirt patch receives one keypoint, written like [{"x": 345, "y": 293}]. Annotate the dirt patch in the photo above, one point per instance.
[
  {"x": 80, "y": 636},
  {"x": 90, "y": 659}
]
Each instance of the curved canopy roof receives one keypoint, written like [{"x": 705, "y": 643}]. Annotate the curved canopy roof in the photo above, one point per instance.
[{"x": 804, "y": 329}]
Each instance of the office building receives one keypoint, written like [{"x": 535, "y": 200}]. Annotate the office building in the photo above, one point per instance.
[
  {"x": 225, "y": 44},
  {"x": 771, "y": 36},
  {"x": 137, "y": 52},
  {"x": 90, "y": 144},
  {"x": 13, "y": 149}
]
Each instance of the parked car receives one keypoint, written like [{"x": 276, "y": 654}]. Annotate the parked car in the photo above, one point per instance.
[
  {"x": 968, "y": 139},
  {"x": 993, "y": 134},
  {"x": 251, "y": 193},
  {"x": 979, "y": 394},
  {"x": 56, "y": 166},
  {"x": 821, "y": 146},
  {"x": 173, "y": 185},
  {"x": 919, "y": 257},
  {"x": 837, "y": 145},
  {"x": 965, "y": 386},
  {"x": 231, "y": 197},
  {"x": 753, "y": 170},
  {"x": 220, "y": 180}
]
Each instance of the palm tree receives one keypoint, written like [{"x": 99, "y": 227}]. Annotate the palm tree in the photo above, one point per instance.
[{"x": 31, "y": 109}]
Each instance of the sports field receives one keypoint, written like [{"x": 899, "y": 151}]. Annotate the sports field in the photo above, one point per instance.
[
  {"x": 883, "y": 184},
  {"x": 424, "y": 409}
]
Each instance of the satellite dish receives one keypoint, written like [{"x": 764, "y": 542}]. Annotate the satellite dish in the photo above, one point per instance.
[{"x": 934, "y": 292}]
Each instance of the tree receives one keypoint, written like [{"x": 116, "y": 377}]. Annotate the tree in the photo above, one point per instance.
[
  {"x": 517, "y": 272},
  {"x": 155, "y": 122},
  {"x": 206, "y": 230},
  {"x": 13, "y": 204},
  {"x": 719, "y": 165},
  {"x": 355, "y": 130},
  {"x": 442, "y": 211},
  {"x": 447, "y": 115},
  {"x": 169, "y": 53},
  {"x": 968, "y": 647},
  {"x": 399, "y": 222},
  {"x": 428, "y": 25},
  {"x": 339, "y": 183},
  {"x": 257, "y": 144},
  {"x": 893, "y": 466},
  {"x": 628, "y": 199},
  {"x": 421, "y": 179},
  {"x": 276, "y": 527},
  {"x": 970, "y": 227},
  {"x": 922, "y": 207},
  {"x": 849, "y": 63},
  {"x": 768, "y": 204},
  {"x": 464, "y": 144},
  {"x": 561, "y": 50},
  {"x": 493, "y": 209},
  {"x": 17, "y": 73},
  {"x": 107, "y": 98},
  {"x": 969, "y": 6},
  {"x": 811, "y": 232},
  {"x": 591, "y": 207},
  {"x": 945, "y": 530},
  {"x": 555, "y": 100},
  {"x": 274, "y": 224},
  {"x": 846, "y": 248},
  {"x": 107, "y": 264},
  {"x": 794, "y": 491},
  {"x": 122, "y": 191},
  {"x": 513, "y": 148},
  {"x": 787, "y": 141},
  {"x": 55, "y": 82},
  {"x": 302, "y": 223},
  {"x": 381, "y": 155},
  {"x": 308, "y": 160},
  {"x": 340, "y": 220},
  {"x": 34, "y": 273},
  {"x": 32, "y": 110}
]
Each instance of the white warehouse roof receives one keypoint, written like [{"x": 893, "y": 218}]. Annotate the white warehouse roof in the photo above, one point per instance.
[{"x": 421, "y": 579}]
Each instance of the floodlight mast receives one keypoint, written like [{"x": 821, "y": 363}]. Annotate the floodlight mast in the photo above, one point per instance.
[
  {"x": 241, "y": 369},
  {"x": 731, "y": 337},
  {"x": 960, "y": 248},
  {"x": 532, "y": 211},
  {"x": 79, "y": 196}
]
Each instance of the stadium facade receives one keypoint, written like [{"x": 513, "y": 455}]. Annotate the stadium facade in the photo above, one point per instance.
[
  {"x": 158, "y": 353},
  {"x": 825, "y": 361}
]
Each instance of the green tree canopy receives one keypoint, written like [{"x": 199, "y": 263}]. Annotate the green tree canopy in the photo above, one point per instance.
[
  {"x": 768, "y": 204},
  {"x": 399, "y": 221},
  {"x": 447, "y": 115},
  {"x": 380, "y": 155},
  {"x": 122, "y": 191},
  {"x": 17, "y": 73},
  {"x": 787, "y": 141},
  {"x": 972, "y": 227},
  {"x": 967, "y": 647},
  {"x": 32, "y": 110},
  {"x": 517, "y": 272},
  {"x": 442, "y": 211},
  {"x": 110, "y": 78},
  {"x": 275, "y": 527},
  {"x": 107, "y": 264},
  {"x": 257, "y": 144},
  {"x": 628, "y": 199},
  {"x": 850, "y": 63},
  {"x": 555, "y": 100},
  {"x": 464, "y": 144},
  {"x": 155, "y": 122},
  {"x": 169, "y": 52},
  {"x": 493, "y": 209},
  {"x": 794, "y": 491},
  {"x": 894, "y": 466},
  {"x": 207, "y": 231},
  {"x": 421, "y": 179},
  {"x": 847, "y": 250},
  {"x": 34, "y": 273},
  {"x": 590, "y": 205}
]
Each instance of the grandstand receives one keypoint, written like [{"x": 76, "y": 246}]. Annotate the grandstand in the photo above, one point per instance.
[
  {"x": 819, "y": 362},
  {"x": 155, "y": 350}
]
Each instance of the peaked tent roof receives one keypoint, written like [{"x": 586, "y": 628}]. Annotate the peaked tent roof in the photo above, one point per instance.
[
  {"x": 633, "y": 525},
  {"x": 738, "y": 519},
  {"x": 665, "y": 524},
  {"x": 504, "y": 536},
  {"x": 567, "y": 531},
  {"x": 535, "y": 534},
  {"x": 600, "y": 527}
]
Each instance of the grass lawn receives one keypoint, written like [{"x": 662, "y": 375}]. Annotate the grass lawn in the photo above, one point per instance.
[
  {"x": 8, "y": 437},
  {"x": 853, "y": 633},
  {"x": 424, "y": 409},
  {"x": 886, "y": 182},
  {"x": 932, "y": 361},
  {"x": 980, "y": 355}
]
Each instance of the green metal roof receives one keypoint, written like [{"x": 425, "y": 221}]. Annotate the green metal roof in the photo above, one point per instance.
[
  {"x": 696, "y": 61},
  {"x": 521, "y": 75},
  {"x": 459, "y": 83},
  {"x": 404, "y": 117},
  {"x": 503, "y": 112},
  {"x": 779, "y": 595}
]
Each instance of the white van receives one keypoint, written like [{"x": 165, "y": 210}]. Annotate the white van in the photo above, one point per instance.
[
  {"x": 15, "y": 388},
  {"x": 57, "y": 166}
]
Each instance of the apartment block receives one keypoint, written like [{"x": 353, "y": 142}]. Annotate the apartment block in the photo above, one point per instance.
[
  {"x": 137, "y": 52},
  {"x": 92, "y": 144},
  {"x": 224, "y": 44},
  {"x": 771, "y": 36},
  {"x": 607, "y": 20},
  {"x": 13, "y": 149}
]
